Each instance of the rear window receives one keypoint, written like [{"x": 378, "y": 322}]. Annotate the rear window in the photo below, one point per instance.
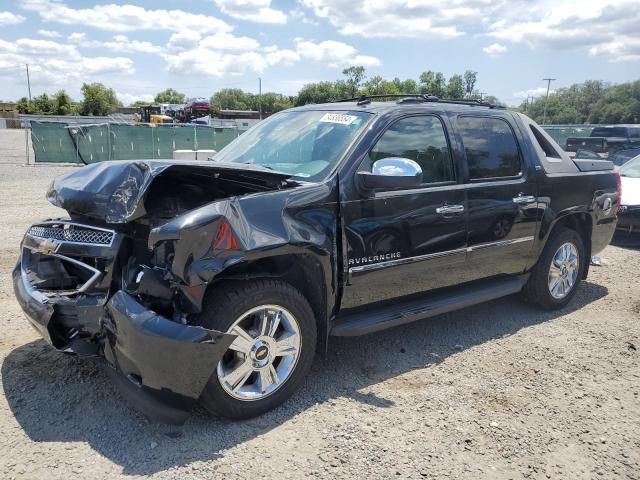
[
  {"x": 490, "y": 146},
  {"x": 609, "y": 132}
]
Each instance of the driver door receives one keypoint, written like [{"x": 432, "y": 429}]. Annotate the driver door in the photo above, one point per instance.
[{"x": 405, "y": 241}]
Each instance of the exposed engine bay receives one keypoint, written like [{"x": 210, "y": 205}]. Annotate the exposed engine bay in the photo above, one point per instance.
[{"x": 122, "y": 276}]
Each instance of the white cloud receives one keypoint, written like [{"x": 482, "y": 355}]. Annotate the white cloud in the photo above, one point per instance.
[
  {"x": 229, "y": 43},
  {"x": 124, "y": 18},
  {"x": 532, "y": 92},
  {"x": 119, "y": 43},
  {"x": 222, "y": 54},
  {"x": 494, "y": 49},
  {"x": 619, "y": 50},
  {"x": 59, "y": 65},
  {"x": 77, "y": 37},
  {"x": 402, "y": 18},
  {"x": 8, "y": 18},
  {"x": 184, "y": 41},
  {"x": 333, "y": 53},
  {"x": 298, "y": 15},
  {"x": 129, "y": 98},
  {"x": 49, "y": 33},
  {"x": 38, "y": 47},
  {"x": 258, "y": 11},
  {"x": 605, "y": 27}
]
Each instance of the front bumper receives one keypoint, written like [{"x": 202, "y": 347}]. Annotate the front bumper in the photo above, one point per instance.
[
  {"x": 161, "y": 366},
  {"x": 629, "y": 218}
]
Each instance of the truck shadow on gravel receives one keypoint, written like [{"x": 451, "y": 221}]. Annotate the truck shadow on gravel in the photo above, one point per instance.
[{"x": 59, "y": 398}]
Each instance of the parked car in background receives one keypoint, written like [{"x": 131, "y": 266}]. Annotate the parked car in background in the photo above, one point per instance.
[
  {"x": 621, "y": 157},
  {"x": 629, "y": 212},
  {"x": 606, "y": 139},
  {"x": 196, "y": 108},
  {"x": 217, "y": 281}
]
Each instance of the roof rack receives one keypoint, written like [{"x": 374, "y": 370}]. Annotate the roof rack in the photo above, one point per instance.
[{"x": 419, "y": 98}]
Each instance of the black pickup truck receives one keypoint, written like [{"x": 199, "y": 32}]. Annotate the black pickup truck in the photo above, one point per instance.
[
  {"x": 217, "y": 281},
  {"x": 606, "y": 139}
]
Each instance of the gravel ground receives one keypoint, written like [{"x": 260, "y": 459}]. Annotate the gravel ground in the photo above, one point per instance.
[{"x": 497, "y": 391}]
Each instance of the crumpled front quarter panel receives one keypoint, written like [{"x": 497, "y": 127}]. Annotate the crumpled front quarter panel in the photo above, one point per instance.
[{"x": 286, "y": 222}]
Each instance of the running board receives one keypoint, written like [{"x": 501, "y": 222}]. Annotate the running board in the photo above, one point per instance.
[{"x": 430, "y": 305}]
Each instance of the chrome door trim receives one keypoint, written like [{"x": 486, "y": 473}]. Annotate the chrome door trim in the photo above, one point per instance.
[
  {"x": 500, "y": 243},
  {"x": 419, "y": 258},
  {"x": 403, "y": 261}
]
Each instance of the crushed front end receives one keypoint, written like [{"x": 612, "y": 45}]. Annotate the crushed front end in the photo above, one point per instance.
[{"x": 82, "y": 287}]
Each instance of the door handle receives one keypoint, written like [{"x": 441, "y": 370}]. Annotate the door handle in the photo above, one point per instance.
[
  {"x": 450, "y": 209},
  {"x": 523, "y": 199}
]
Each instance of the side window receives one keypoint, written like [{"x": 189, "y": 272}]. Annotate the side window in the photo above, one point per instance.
[
  {"x": 421, "y": 139},
  {"x": 491, "y": 147}
]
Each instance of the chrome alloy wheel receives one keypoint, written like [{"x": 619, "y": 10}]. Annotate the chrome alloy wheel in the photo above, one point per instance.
[
  {"x": 563, "y": 273},
  {"x": 264, "y": 354}
]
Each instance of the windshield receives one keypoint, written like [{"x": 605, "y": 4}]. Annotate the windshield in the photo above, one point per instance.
[
  {"x": 609, "y": 132},
  {"x": 304, "y": 144},
  {"x": 631, "y": 168}
]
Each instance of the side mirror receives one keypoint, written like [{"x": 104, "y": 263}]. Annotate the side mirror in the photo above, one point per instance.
[{"x": 392, "y": 172}]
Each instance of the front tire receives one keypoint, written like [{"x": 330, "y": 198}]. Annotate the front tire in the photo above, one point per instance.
[
  {"x": 272, "y": 354},
  {"x": 555, "y": 278}
]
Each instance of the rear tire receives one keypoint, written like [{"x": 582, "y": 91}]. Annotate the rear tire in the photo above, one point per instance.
[
  {"x": 555, "y": 278},
  {"x": 260, "y": 371}
]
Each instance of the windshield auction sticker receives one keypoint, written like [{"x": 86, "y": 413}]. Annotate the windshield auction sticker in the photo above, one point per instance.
[{"x": 338, "y": 118}]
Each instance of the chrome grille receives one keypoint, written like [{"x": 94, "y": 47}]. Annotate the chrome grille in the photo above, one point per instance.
[{"x": 69, "y": 232}]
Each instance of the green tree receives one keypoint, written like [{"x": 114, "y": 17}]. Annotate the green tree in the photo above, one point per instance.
[
  {"x": 232, "y": 99},
  {"x": 590, "y": 102},
  {"x": 377, "y": 85},
  {"x": 355, "y": 77},
  {"x": 24, "y": 106},
  {"x": 42, "y": 105},
  {"x": 433, "y": 83},
  {"x": 470, "y": 77},
  {"x": 138, "y": 104},
  {"x": 169, "y": 96},
  {"x": 98, "y": 100},
  {"x": 455, "y": 87},
  {"x": 62, "y": 104},
  {"x": 320, "y": 92},
  {"x": 272, "y": 102}
]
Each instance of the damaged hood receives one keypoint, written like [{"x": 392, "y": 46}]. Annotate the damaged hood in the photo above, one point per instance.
[{"x": 114, "y": 191}]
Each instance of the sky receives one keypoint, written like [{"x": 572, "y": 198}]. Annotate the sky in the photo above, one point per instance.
[{"x": 140, "y": 47}]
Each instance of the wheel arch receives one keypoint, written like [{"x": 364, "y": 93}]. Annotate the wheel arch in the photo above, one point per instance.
[
  {"x": 302, "y": 271},
  {"x": 582, "y": 223}
]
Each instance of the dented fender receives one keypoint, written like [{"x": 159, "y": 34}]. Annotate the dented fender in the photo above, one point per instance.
[{"x": 225, "y": 238}]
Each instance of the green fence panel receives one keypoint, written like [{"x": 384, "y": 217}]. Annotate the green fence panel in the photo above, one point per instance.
[
  {"x": 59, "y": 142},
  {"x": 92, "y": 142},
  {"x": 184, "y": 138},
  {"x": 131, "y": 142},
  {"x": 52, "y": 143},
  {"x": 163, "y": 141},
  {"x": 223, "y": 136},
  {"x": 205, "y": 138}
]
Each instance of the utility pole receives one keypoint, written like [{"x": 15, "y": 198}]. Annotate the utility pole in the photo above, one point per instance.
[
  {"x": 482, "y": 94},
  {"x": 544, "y": 115},
  {"x": 28, "y": 82},
  {"x": 260, "y": 96}
]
